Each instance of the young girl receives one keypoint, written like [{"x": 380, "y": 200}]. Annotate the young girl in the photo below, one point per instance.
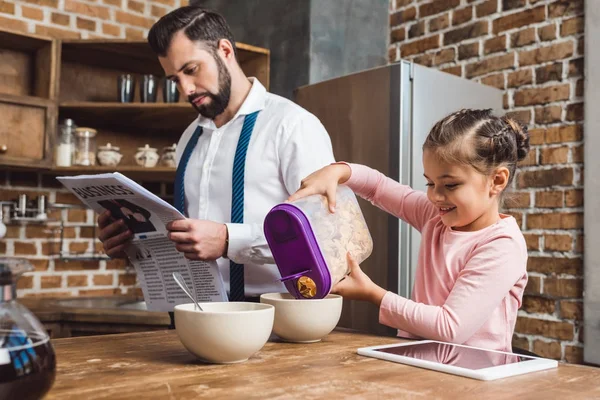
[{"x": 471, "y": 269}]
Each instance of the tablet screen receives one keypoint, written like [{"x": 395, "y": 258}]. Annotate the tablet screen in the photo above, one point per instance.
[{"x": 457, "y": 356}]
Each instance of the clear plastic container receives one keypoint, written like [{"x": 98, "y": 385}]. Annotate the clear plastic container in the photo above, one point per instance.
[
  {"x": 65, "y": 148},
  {"x": 309, "y": 243}
]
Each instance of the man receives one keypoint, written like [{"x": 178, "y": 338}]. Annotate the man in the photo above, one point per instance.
[{"x": 225, "y": 198}]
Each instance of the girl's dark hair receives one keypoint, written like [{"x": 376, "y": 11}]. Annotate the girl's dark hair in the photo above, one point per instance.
[
  {"x": 479, "y": 139},
  {"x": 198, "y": 24}
]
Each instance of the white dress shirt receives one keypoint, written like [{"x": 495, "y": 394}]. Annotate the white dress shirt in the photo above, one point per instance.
[{"x": 288, "y": 143}]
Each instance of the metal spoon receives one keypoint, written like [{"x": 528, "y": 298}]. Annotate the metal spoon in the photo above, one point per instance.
[{"x": 181, "y": 282}]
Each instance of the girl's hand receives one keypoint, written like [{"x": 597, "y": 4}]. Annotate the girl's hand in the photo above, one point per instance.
[
  {"x": 325, "y": 182},
  {"x": 358, "y": 286}
]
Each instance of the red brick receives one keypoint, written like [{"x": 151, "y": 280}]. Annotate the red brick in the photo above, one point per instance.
[
  {"x": 455, "y": 70},
  {"x": 48, "y": 294},
  {"x": 505, "y": 100},
  {"x": 538, "y": 304},
  {"x": 571, "y": 310},
  {"x": 436, "y": 7},
  {"x": 403, "y": 16},
  {"x": 51, "y": 282},
  {"x": 439, "y": 23},
  {"x": 548, "y": 115},
  {"x": 47, "y": 3},
  {"x": 486, "y": 8},
  {"x": 522, "y": 37},
  {"x": 541, "y": 55},
  {"x": 78, "y": 247},
  {"x": 550, "y": 350},
  {"x": 558, "y": 242},
  {"x": 559, "y": 287},
  {"x": 462, "y": 15},
  {"x": 575, "y": 112},
  {"x": 127, "y": 280},
  {"x": 572, "y": 26},
  {"x": 397, "y": 35},
  {"x": 555, "y": 265},
  {"x": 420, "y": 46},
  {"x": 7, "y": 8},
  {"x": 547, "y": 33},
  {"x": 574, "y": 354},
  {"x": 528, "y": 97},
  {"x": 574, "y": 198},
  {"x": 565, "y": 7},
  {"x": 393, "y": 54},
  {"x": 576, "y": 67},
  {"x": 99, "y": 292},
  {"x": 555, "y": 155},
  {"x": 516, "y": 20},
  {"x": 496, "y": 80},
  {"x": 24, "y": 248},
  {"x": 25, "y": 282},
  {"x": 60, "y": 19},
  {"x": 444, "y": 56},
  {"x": 578, "y": 248},
  {"x": 424, "y": 59},
  {"x": 132, "y": 19},
  {"x": 89, "y": 10},
  {"x": 555, "y": 221},
  {"x": 561, "y": 134},
  {"x": 512, "y": 4},
  {"x": 103, "y": 280},
  {"x": 547, "y": 73},
  {"x": 518, "y": 200},
  {"x": 534, "y": 285},
  {"x": 520, "y": 343},
  {"x": 399, "y": 3},
  {"x": 581, "y": 45},
  {"x": 491, "y": 64},
  {"x": 87, "y": 24},
  {"x": 518, "y": 216},
  {"x": 467, "y": 32},
  {"x": 110, "y": 29},
  {"x": 533, "y": 241},
  {"x": 62, "y": 265},
  {"x": 158, "y": 11},
  {"x": 552, "y": 199},
  {"x": 77, "y": 280},
  {"x": 13, "y": 24},
  {"x": 519, "y": 78},
  {"x": 549, "y": 329},
  {"x": 116, "y": 264},
  {"x": 77, "y": 215},
  {"x": 416, "y": 30},
  {"x": 495, "y": 45},
  {"x": 468, "y": 50},
  {"x": 117, "y": 3},
  {"x": 136, "y": 6},
  {"x": 32, "y": 13},
  {"x": 523, "y": 116}
]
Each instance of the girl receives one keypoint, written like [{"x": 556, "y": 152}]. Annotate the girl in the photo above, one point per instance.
[{"x": 471, "y": 269}]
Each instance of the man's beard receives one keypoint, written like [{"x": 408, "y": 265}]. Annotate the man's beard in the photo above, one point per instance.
[{"x": 218, "y": 102}]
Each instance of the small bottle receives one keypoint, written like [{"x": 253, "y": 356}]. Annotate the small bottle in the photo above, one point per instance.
[
  {"x": 66, "y": 144},
  {"x": 85, "y": 153}
]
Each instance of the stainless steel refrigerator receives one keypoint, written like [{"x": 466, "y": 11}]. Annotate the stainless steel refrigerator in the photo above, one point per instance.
[{"x": 381, "y": 117}]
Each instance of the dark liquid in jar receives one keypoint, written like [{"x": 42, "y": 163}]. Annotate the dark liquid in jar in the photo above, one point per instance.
[{"x": 27, "y": 365}]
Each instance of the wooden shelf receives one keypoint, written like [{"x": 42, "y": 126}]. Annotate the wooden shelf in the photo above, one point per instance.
[
  {"x": 173, "y": 118},
  {"x": 25, "y": 100},
  {"x": 134, "y": 172}
]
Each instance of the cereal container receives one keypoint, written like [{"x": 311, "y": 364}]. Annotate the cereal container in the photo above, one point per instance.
[{"x": 309, "y": 243}]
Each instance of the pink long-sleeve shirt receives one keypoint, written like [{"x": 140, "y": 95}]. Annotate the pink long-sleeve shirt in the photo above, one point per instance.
[{"x": 468, "y": 285}]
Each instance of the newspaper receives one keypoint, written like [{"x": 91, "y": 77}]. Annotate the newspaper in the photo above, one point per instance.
[{"x": 153, "y": 255}]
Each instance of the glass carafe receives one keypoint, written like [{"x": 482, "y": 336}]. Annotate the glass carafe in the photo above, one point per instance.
[{"x": 27, "y": 361}]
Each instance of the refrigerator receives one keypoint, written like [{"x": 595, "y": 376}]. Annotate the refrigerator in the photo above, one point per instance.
[{"x": 380, "y": 117}]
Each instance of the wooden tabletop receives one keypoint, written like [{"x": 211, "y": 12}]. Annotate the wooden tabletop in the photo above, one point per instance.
[{"x": 154, "y": 365}]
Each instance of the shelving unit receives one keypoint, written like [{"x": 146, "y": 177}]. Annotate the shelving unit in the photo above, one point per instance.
[{"x": 77, "y": 79}]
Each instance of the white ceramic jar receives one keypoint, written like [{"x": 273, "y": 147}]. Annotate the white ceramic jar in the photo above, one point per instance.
[
  {"x": 146, "y": 156},
  {"x": 109, "y": 155}
]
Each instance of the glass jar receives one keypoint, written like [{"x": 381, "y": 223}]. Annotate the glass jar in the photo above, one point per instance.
[
  {"x": 85, "y": 150},
  {"x": 65, "y": 148},
  {"x": 27, "y": 360}
]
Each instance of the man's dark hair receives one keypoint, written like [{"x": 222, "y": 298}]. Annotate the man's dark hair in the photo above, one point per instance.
[{"x": 197, "y": 23}]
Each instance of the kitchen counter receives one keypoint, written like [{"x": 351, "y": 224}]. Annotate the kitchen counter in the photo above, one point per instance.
[
  {"x": 66, "y": 317},
  {"x": 156, "y": 365}
]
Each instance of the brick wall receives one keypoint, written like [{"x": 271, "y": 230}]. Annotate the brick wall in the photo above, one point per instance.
[
  {"x": 40, "y": 243},
  {"x": 533, "y": 50}
]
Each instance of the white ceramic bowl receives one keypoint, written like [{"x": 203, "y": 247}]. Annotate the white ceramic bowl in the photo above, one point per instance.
[
  {"x": 304, "y": 321},
  {"x": 224, "y": 333}
]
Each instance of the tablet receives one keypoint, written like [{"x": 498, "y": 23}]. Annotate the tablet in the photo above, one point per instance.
[{"x": 467, "y": 361}]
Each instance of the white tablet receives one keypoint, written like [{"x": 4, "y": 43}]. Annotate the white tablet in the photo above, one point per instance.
[{"x": 471, "y": 362}]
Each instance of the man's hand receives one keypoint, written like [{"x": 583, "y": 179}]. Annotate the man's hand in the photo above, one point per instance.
[
  {"x": 199, "y": 239},
  {"x": 114, "y": 235}
]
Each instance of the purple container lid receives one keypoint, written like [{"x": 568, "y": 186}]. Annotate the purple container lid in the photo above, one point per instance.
[{"x": 295, "y": 249}]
